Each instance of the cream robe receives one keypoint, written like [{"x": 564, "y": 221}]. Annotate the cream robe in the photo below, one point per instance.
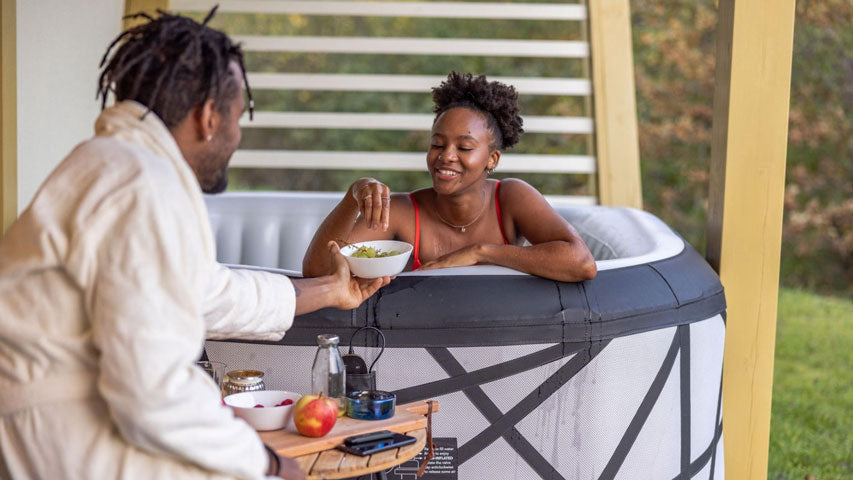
[{"x": 108, "y": 288}]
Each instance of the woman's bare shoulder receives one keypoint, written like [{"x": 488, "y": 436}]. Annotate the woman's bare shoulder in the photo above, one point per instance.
[
  {"x": 423, "y": 192},
  {"x": 401, "y": 201},
  {"x": 423, "y": 196},
  {"x": 516, "y": 189},
  {"x": 402, "y": 216}
]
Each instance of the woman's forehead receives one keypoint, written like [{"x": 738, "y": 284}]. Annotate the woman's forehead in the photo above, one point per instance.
[{"x": 461, "y": 121}]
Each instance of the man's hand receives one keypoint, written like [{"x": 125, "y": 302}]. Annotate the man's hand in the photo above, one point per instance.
[
  {"x": 290, "y": 470},
  {"x": 353, "y": 290},
  {"x": 337, "y": 289},
  {"x": 466, "y": 256}
]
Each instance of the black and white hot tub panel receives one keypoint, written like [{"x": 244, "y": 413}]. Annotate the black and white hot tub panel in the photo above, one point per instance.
[{"x": 618, "y": 377}]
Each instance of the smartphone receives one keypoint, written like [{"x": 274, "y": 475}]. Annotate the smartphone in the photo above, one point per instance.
[
  {"x": 372, "y": 446},
  {"x": 368, "y": 437}
]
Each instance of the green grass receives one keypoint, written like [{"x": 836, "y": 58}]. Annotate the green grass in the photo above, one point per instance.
[{"x": 812, "y": 416}]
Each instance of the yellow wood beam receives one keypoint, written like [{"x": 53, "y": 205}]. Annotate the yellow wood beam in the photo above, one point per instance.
[
  {"x": 617, "y": 148},
  {"x": 8, "y": 115},
  {"x": 748, "y": 151},
  {"x": 147, "y": 6}
]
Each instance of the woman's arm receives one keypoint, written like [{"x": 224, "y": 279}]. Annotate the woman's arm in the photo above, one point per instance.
[
  {"x": 367, "y": 196},
  {"x": 556, "y": 251}
]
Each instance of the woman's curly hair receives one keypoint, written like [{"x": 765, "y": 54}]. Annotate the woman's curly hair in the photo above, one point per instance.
[{"x": 498, "y": 103}]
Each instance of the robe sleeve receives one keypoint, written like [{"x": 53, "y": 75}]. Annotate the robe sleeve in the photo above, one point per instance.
[
  {"x": 248, "y": 304},
  {"x": 145, "y": 302}
]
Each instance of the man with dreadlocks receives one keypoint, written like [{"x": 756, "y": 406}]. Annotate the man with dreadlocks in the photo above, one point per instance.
[{"x": 109, "y": 284}]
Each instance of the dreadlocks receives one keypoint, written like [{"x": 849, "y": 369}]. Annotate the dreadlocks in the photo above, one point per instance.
[{"x": 172, "y": 64}]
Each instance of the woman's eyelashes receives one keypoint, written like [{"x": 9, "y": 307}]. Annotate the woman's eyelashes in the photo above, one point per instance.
[{"x": 462, "y": 148}]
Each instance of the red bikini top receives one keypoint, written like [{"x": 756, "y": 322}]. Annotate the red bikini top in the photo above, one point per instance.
[{"x": 416, "y": 263}]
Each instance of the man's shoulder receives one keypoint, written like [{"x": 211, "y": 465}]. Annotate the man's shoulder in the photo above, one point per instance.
[
  {"x": 111, "y": 153},
  {"x": 111, "y": 160},
  {"x": 101, "y": 171}
]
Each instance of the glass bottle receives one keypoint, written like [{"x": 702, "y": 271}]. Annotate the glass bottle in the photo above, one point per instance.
[{"x": 327, "y": 374}]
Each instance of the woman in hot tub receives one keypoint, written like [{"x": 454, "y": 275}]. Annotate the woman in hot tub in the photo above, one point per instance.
[{"x": 465, "y": 218}]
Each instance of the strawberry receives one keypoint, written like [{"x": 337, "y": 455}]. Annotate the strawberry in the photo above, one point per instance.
[
  {"x": 258, "y": 406},
  {"x": 285, "y": 402}
]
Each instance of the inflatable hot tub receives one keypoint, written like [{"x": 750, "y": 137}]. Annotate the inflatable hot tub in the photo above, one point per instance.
[{"x": 618, "y": 377}]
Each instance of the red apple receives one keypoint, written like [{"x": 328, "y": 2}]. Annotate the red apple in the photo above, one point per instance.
[{"x": 315, "y": 415}]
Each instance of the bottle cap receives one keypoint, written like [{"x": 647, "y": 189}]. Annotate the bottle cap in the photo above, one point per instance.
[{"x": 327, "y": 339}]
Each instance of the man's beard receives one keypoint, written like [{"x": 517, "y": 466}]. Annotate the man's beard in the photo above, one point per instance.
[
  {"x": 214, "y": 166},
  {"x": 219, "y": 185}
]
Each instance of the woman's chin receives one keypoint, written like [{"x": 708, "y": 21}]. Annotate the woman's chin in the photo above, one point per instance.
[
  {"x": 447, "y": 185},
  {"x": 444, "y": 187}
]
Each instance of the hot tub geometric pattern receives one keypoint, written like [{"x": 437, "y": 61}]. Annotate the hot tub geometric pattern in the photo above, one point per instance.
[
  {"x": 534, "y": 416},
  {"x": 614, "y": 378}
]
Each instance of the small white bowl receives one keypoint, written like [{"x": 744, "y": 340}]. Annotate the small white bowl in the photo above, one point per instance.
[
  {"x": 380, "y": 266},
  {"x": 271, "y": 416}
]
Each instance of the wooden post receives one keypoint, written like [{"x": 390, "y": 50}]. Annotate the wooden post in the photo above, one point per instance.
[
  {"x": 617, "y": 147},
  {"x": 148, "y": 6},
  {"x": 8, "y": 115},
  {"x": 748, "y": 151}
]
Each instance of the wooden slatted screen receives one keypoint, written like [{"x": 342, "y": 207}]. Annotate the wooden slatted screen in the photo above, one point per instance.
[{"x": 580, "y": 128}]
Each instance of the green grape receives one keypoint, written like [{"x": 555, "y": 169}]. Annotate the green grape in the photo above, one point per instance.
[{"x": 370, "y": 252}]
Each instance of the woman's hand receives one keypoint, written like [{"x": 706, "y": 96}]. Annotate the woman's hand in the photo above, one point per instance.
[
  {"x": 374, "y": 202},
  {"x": 464, "y": 257},
  {"x": 352, "y": 290}
]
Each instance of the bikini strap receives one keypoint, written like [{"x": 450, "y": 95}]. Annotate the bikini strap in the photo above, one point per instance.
[
  {"x": 416, "y": 260},
  {"x": 498, "y": 210}
]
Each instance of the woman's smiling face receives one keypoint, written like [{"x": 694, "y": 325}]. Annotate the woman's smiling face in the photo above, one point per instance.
[{"x": 460, "y": 150}]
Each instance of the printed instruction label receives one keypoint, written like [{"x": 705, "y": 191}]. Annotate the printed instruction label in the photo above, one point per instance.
[{"x": 443, "y": 466}]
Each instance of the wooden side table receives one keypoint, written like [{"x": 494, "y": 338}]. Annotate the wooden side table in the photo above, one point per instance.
[
  {"x": 334, "y": 463},
  {"x": 321, "y": 460}
]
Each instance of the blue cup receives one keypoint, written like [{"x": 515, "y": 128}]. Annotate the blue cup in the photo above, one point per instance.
[{"x": 371, "y": 404}]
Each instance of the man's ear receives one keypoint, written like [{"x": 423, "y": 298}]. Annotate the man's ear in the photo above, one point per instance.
[{"x": 208, "y": 119}]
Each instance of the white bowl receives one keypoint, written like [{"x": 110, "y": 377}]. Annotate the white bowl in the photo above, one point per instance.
[
  {"x": 380, "y": 266},
  {"x": 271, "y": 416}
]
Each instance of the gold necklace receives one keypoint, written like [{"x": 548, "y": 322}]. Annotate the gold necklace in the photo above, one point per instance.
[{"x": 463, "y": 227}]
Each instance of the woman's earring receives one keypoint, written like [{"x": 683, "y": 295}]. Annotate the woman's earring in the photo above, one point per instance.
[
  {"x": 209, "y": 138},
  {"x": 489, "y": 171}
]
